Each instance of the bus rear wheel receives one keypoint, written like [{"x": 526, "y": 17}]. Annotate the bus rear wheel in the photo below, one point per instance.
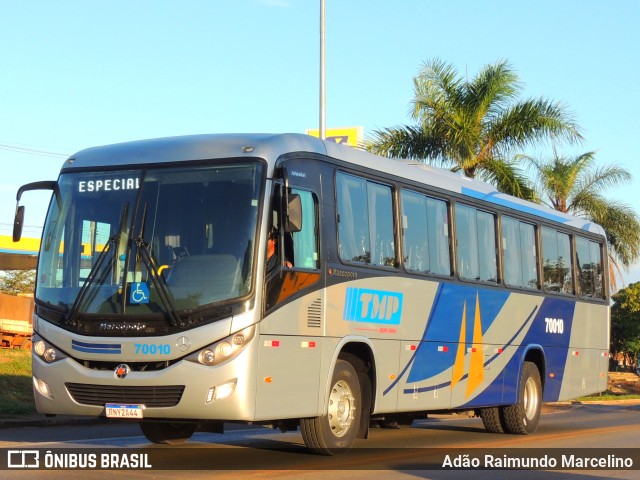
[
  {"x": 170, "y": 433},
  {"x": 523, "y": 417},
  {"x": 336, "y": 431},
  {"x": 491, "y": 419}
]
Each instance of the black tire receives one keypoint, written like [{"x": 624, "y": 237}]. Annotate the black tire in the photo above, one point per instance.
[
  {"x": 170, "y": 433},
  {"x": 336, "y": 431},
  {"x": 491, "y": 419},
  {"x": 523, "y": 417}
]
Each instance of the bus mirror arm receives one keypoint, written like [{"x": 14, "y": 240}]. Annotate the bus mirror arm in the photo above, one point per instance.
[{"x": 18, "y": 221}]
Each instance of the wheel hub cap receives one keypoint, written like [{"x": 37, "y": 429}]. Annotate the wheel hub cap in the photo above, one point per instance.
[{"x": 341, "y": 408}]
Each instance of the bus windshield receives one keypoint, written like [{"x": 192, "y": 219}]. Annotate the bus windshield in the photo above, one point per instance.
[{"x": 164, "y": 246}]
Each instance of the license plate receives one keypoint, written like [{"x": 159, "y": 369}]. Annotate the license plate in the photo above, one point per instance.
[{"x": 115, "y": 410}]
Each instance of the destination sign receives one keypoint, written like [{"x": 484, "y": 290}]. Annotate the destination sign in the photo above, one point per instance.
[{"x": 108, "y": 185}]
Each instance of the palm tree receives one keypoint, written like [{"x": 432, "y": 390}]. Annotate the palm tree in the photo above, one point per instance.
[
  {"x": 474, "y": 127},
  {"x": 574, "y": 185}
]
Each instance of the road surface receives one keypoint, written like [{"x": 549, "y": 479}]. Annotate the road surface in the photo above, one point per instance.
[{"x": 572, "y": 432}]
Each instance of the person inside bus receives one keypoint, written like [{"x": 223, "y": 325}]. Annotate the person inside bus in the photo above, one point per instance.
[{"x": 272, "y": 252}]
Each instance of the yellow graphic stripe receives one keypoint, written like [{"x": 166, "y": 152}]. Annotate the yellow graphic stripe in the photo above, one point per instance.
[{"x": 476, "y": 369}]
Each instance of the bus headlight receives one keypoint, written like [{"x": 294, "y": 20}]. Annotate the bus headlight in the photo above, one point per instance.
[
  {"x": 39, "y": 348},
  {"x": 45, "y": 351},
  {"x": 223, "y": 350},
  {"x": 207, "y": 357}
]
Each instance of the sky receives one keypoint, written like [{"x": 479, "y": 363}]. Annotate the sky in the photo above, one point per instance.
[{"x": 75, "y": 74}]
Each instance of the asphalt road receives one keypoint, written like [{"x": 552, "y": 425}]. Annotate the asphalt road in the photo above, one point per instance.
[{"x": 578, "y": 430}]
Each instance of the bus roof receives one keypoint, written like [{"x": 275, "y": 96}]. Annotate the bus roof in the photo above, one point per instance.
[{"x": 271, "y": 146}]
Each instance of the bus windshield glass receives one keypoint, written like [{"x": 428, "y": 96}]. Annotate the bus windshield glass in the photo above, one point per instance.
[{"x": 166, "y": 244}]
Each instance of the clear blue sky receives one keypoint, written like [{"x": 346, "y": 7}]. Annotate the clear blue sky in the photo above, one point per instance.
[{"x": 76, "y": 74}]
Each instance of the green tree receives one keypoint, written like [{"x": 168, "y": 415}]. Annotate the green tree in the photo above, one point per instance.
[
  {"x": 14, "y": 282},
  {"x": 475, "y": 127},
  {"x": 625, "y": 323},
  {"x": 576, "y": 185}
]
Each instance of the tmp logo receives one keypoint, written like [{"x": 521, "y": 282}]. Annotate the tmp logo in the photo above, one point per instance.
[
  {"x": 23, "y": 459},
  {"x": 375, "y": 306}
]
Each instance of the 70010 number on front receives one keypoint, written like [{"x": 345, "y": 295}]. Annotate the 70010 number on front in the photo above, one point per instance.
[{"x": 152, "y": 349}]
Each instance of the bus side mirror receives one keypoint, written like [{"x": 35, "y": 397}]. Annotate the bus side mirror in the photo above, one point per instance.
[
  {"x": 293, "y": 220},
  {"x": 18, "y": 222}
]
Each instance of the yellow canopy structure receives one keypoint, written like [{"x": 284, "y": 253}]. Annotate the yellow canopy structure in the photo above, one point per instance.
[{"x": 21, "y": 255}]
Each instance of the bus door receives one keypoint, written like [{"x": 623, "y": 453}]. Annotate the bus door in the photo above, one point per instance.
[{"x": 293, "y": 325}]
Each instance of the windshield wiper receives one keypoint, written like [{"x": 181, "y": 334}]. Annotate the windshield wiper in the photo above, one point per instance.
[
  {"x": 145, "y": 253},
  {"x": 73, "y": 312},
  {"x": 158, "y": 281}
]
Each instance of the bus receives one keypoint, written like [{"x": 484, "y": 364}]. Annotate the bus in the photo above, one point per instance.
[{"x": 286, "y": 281}]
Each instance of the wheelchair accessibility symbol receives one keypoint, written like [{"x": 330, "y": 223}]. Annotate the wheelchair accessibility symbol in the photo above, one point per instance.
[{"x": 139, "y": 293}]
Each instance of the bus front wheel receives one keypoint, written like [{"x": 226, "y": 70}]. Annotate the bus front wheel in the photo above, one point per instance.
[
  {"x": 167, "y": 432},
  {"x": 336, "y": 431},
  {"x": 522, "y": 418}
]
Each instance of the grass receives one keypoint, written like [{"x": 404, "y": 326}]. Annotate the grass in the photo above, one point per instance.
[
  {"x": 16, "y": 388},
  {"x": 608, "y": 395}
]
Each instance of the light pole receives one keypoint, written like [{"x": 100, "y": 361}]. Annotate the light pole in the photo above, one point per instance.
[{"x": 322, "y": 127}]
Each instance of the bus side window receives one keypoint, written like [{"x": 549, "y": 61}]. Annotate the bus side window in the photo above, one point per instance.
[
  {"x": 557, "y": 264},
  {"x": 467, "y": 243},
  {"x": 305, "y": 242},
  {"x": 353, "y": 219},
  {"x": 590, "y": 270},
  {"x": 425, "y": 234},
  {"x": 519, "y": 253},
  {"x": 365, "y": 221},
  {"x": 476, "y": 244}
]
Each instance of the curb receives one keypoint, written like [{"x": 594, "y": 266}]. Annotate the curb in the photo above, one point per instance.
[{"x": 44, "y": 421}]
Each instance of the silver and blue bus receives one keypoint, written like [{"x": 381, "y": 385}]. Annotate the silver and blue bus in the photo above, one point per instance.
[{"x": 282, "y": 280}]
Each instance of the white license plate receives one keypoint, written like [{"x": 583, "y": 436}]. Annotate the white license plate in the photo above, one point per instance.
[{"x": 115, "y": 410}]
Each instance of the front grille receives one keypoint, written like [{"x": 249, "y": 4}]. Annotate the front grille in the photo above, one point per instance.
[
  {"x": 163, "y": 396},
  {"x": 135, "y": 366}
]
